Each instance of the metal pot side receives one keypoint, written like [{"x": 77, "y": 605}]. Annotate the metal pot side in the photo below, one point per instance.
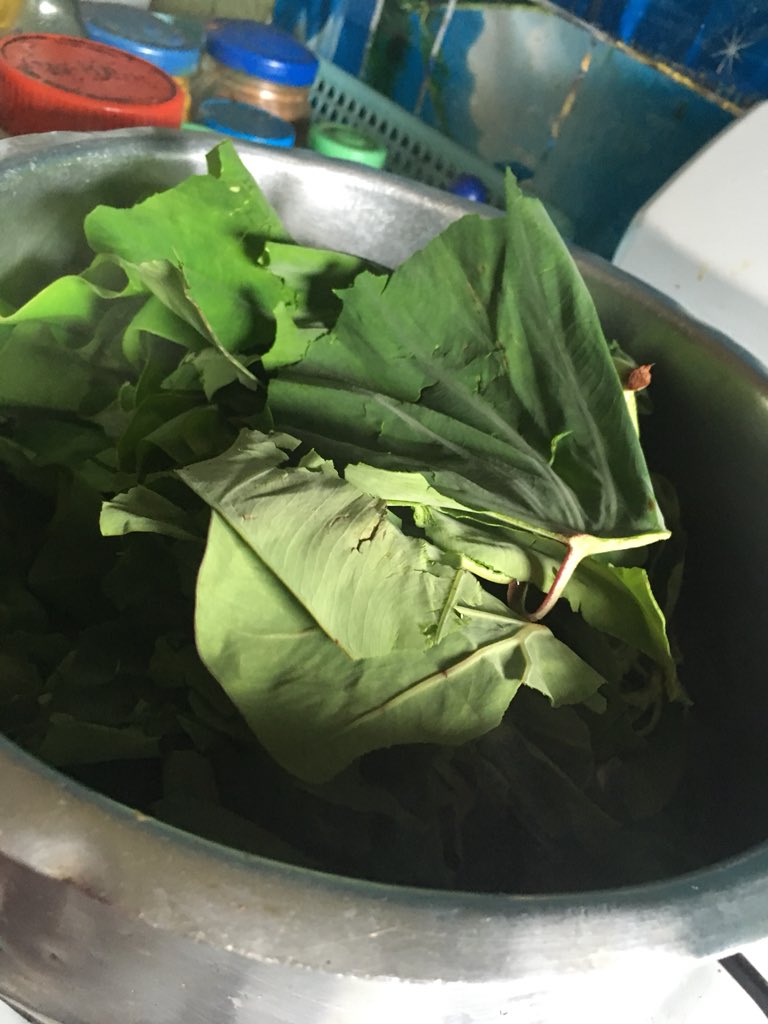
[{"x": 108, "y": 915}]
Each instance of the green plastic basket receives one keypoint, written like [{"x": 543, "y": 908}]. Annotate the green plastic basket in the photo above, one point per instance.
[{"x": 414, "y": 149}]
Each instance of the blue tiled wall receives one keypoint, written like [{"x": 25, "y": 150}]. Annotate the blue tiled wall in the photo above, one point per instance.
[
  {"x": 593, "y": 130},
  {"x": 723, "y": 43}
]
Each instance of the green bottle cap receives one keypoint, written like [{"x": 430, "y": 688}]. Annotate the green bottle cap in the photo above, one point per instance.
[{"x": 345, "y": 143}]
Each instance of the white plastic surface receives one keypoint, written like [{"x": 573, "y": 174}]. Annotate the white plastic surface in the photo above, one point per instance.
[
  {"x": 708, "y": 995},
  {"x": 703, "y": 238},
  {"x": 9, "y": 1016}
]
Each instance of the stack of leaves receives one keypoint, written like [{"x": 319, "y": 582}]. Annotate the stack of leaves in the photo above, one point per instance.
[{"x": 290, "y": 533}]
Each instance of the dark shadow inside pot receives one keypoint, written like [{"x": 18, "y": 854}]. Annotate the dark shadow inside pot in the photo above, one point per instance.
[{"x": 709, "y": 434}]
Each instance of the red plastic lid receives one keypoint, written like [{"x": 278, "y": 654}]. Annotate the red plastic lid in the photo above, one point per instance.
[{"x": 59, "y": 83}]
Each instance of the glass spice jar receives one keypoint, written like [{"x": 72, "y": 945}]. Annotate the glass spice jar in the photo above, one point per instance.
[
  {"x": 259, "y": 65},
  {"x": 60, "y": 16}
]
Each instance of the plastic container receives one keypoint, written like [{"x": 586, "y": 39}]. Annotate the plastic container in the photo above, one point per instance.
[
  {"x": 63, "y": 83},
  {"x": 344, "y": 143},
  {"x": 170, "y": 44},
  {"x": 242, "y": 121},
  {"x": 414, "y": 149},
  {"x": 260, "y": 65}
]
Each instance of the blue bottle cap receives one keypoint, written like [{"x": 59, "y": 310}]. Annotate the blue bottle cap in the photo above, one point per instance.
[
  {"x": 169, "y": 44},
  {"x": 244, "y": 121},
  {"x": 470, "y": 187},
  {"x": 262, "y": 51}
]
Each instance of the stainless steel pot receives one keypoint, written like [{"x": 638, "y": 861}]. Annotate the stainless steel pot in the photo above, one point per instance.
[{"x": 108, "y": 916}]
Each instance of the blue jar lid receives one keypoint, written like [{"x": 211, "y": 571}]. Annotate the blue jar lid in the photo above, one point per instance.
[
  {"x": 171, "y": 45},
  {"x": 262, "y": 51},
  {"x": 244, "y": 121},
  {"x": 468, "y": 186}
]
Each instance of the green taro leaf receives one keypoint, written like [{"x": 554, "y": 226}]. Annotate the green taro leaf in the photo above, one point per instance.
[
  {"x": 229, "y": 288},
  {"x": 68, "y": 741},
  {"x": 613, "y": 599},
  {"x": 72, "y": 560},
  {"x": 76, "y": 300},
  {"x": 38, "y": 371},
  {"x": 503, "y": 396},
  {"x": 316, "y": 710},
  {"x": 314, "y": 274},
  {"x": 144, "y": 510},
  {"x": 172, "y": 428},
  {"x": 156, "y": 320},
  {"x": 416, "y": 652},
  {"x": 60, "y": 351},
  {"x": 21, "y": 463},
  {"x": 371, "y": 588},
  {"x": 170, "y": 284},
  {"x": 60, "y": 442},
  {"x": 215, "y": 371}
]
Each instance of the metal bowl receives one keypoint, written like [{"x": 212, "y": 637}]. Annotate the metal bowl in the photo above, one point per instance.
[{"x": 106, "y": 915}]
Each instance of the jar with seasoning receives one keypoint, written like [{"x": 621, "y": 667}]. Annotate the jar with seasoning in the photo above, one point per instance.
[
  {"x": 171, "y": 44},
  {"x": 242, "y": 121},
  {"x": 64, "y": 83},
  {"x": 260, "y": 65}
]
